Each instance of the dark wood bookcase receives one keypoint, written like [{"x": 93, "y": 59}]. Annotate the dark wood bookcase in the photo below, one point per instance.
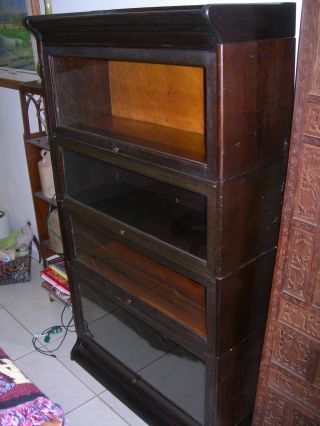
[{"x": 169, "y": 131}]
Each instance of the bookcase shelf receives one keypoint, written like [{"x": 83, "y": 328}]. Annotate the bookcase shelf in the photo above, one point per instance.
[
  {"x": 150, "y": 136},
  {"x": 158, "y": 107},
  {"x": 41, "y": 142},
  {"x": 167, "y": 291}
]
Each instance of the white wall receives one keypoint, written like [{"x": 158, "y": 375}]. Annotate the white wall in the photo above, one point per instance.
[{"x": 15, "y": 194}]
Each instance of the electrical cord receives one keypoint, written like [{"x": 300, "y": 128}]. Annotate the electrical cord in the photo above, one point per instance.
[
  {"x": 64, "y": 326},
  {"x": 46, "y": 334}
]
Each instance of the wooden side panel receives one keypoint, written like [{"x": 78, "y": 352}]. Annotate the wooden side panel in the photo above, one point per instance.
[
  {"x": 242, "y": 298},
  {"x": 256, "y": 93},
  {"x": 250, "y": 216},
  {"x": 289, "y": 385},
  {"x": 237, "y": 375}
]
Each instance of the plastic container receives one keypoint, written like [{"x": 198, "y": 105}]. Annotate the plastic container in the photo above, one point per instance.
[{"x": 46, "y": 175}]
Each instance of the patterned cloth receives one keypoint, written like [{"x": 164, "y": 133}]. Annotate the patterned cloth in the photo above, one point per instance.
[{"x": 21, "y": 402}]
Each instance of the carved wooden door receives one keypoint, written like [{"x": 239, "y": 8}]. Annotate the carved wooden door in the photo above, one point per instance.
[{"x": 289, "y": 383}]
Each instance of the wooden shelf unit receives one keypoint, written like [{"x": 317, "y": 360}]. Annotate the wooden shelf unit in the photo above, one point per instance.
[
  {"x": 31, "y": 97},
  {"x": 169, "y": 128}
]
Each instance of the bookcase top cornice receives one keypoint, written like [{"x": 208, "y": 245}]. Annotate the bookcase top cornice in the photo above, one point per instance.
[{"x": 175, "y": 27}]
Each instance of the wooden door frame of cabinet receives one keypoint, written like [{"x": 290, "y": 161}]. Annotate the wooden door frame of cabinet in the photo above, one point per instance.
[{"x": 205, "y": 59}]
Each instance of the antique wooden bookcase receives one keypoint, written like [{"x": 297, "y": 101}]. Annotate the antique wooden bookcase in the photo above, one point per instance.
[{"x": 169, "y": 131}]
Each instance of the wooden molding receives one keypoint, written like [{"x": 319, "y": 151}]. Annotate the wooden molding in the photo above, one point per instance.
[{"x": 10, "y": 84}]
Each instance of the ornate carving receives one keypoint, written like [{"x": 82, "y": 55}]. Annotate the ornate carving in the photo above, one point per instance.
[
  {"x": 299, "y": 419},
  {"x": 299, "y": 262},
  {"x": 299, "y": 318},
  {"x": 313, "y": 120},
  {"x": 32, "y": 104},
  {"x": 316, "y": 292},
  {"x": 38, "y": 102},
  {"x": 285, "y": 384},
  {"x": 292, "y": 350},
  {"x": 275, "y": 410},
  {"x": 288, "y": 389},
  {"x": 308, "y": 186}
]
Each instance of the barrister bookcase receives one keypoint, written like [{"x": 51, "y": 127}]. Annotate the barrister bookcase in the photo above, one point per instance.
[{"x": 169, "y": 132}]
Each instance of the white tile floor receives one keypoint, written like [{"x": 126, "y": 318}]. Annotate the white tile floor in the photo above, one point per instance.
[{"x": 25, "y": 310}]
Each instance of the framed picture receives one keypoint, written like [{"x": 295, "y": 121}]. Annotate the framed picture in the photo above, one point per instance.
[{"x": 17, "y": 47}]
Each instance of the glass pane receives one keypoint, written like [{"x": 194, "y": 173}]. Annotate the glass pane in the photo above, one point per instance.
[
  {"x": 156, "y": 106},
  {"x": 171, "y": 214},
  {"x": 171, "y": 370},
  {"x": 175, "y": 295}
]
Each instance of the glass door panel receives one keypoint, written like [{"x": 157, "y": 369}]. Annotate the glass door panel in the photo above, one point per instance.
[
  {"x": 167, "y": 291},
  {"x": 167, "y": 367},
  {"x": 155, "y": 106},
  {"x": 174, "y": 215}
]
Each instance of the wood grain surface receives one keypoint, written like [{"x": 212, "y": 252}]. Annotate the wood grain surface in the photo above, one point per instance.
[{"x": 289, "y": 383}]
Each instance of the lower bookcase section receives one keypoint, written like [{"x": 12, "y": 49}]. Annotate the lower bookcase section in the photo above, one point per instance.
[
  {"x": 137, "y": 395},
  {"x": 168, "y": 368},
  {"x": 172, "y": 294},
  {"x": 145, "y": 369}
]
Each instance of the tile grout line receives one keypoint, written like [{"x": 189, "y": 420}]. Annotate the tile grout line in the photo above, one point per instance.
[
  {"x": 95, "y": 395},
  {"x": 25, "y": 328},
  {"x": 16, "y": 319},
  {"x": 43, "y": 345},
  {"x": 112, "y": 409},
  {"x": 91, "y": 399},
  {"x": 80, "y": 405},
  {"x": 20, "y": 323},
  {"x": 74, "y": 374}
]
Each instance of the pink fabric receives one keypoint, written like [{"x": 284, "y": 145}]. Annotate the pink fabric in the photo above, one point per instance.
[
  {"x": 32, "y": 413},
  {"x": 21, "y": 402}
]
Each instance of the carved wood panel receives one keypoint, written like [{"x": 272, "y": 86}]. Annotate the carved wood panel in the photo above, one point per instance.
[{"x": 289, "y": 383}]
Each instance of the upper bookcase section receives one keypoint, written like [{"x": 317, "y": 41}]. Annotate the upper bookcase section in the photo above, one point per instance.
[{"x": 197, "y": 27}]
